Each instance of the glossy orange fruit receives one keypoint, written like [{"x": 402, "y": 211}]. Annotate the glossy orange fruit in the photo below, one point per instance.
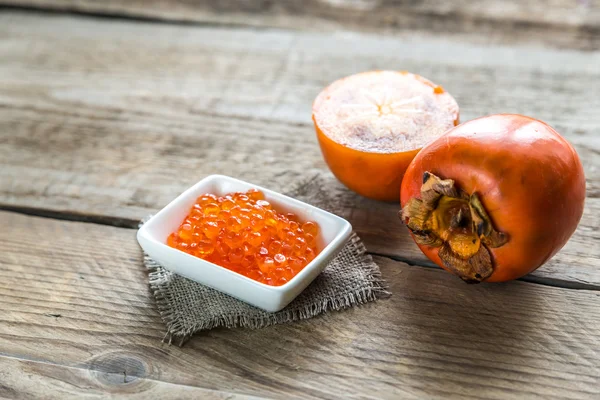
[
  {"x": 494, "y": 198},
  {"x": 371, "y": 125}
]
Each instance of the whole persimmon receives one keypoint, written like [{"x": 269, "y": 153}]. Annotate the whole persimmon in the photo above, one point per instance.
[
  {"x": 371, "y": 125},
  {"x": 494, "y": 198}
]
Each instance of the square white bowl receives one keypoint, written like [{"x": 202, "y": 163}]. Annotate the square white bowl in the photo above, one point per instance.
[{"x": 152, "y": 236}]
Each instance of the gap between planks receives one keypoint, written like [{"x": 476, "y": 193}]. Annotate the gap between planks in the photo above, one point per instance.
[
  {"x": 155, "y": 17},
  {"x": 133, "y": 224},
  {"x": 72, "y": 216},
  {"x": 540, "y": 280},
  {"x": 461, "y": 19},
  {"x": 130, "y": 17}
]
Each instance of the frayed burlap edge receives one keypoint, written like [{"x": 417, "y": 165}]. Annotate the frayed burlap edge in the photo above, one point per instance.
[{"x": 175, "y": 331}]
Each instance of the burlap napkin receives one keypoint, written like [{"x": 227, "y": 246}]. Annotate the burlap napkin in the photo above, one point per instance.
[{"x": 188, "y": 307}]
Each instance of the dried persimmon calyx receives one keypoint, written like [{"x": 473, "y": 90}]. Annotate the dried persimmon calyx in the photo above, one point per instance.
[{"x": 457, "y": 223}]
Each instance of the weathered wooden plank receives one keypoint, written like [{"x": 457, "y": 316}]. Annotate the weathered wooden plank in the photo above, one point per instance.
[
  {"x": 26, "y": 379},
  {"x": 115, "y": 119},
  {"x": 435, "y": 337},
  {"x": 565, "y": 23}
]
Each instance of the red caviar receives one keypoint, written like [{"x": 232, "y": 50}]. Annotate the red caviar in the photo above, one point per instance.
[{"x": 242, "y": 232}]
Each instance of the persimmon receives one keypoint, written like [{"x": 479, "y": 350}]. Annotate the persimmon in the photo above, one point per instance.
[
  {"x": 494, "y": 198},
  {"x": 371, "y": 125}
]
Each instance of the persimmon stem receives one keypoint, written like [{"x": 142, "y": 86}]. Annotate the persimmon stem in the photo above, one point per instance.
[{"x": 457, "y": 223}]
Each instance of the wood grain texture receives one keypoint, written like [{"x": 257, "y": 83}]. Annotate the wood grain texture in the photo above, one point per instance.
[
  {"x": 563, "y": 23},
  {"x": 25, "y": 379},
  {"x": 74, "y": 295},
  {"x": 113, "y": 119}
]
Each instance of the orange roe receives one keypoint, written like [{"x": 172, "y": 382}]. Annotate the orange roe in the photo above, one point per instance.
[{"x": 242, "y": 232}]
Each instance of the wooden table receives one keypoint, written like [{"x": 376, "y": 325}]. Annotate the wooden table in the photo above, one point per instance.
[{"x": 110, "y": 109}]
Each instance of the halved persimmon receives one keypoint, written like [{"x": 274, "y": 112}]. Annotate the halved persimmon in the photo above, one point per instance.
[{"x": 371, "y": 125}]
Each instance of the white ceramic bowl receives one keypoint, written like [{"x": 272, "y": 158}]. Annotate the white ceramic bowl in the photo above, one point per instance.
[{"x": 152, "y": 236}]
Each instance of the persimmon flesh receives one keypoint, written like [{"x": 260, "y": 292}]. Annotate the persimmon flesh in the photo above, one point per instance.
[
  {"x": 371, "y": 125},
  {"x": 494, "y": 198}
]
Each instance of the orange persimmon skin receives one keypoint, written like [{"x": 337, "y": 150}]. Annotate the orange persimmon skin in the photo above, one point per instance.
[
  {"x": 385, "y": 105},
  {"x": 528, "y": 177},
  {"x": 374, "y": 175}
]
